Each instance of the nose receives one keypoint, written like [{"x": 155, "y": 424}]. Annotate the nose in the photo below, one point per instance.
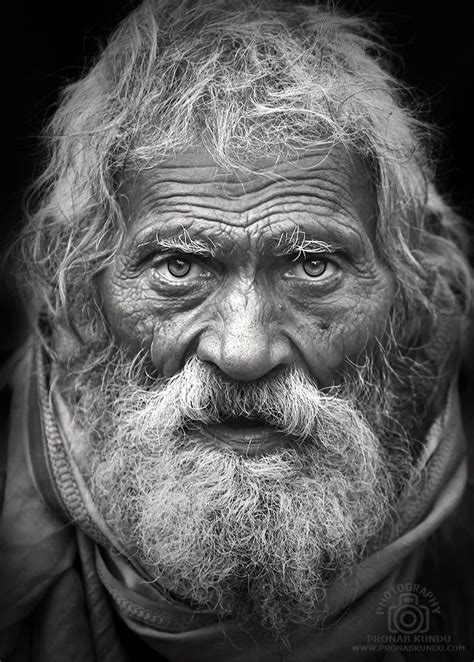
[{"x": 244, "y": 341}]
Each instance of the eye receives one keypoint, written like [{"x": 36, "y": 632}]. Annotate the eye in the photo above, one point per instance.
[
  {"x": 178, "y": 268},
  {"x": 317, "y": 268},
  {"x": 174, "y": 268},
  {"x": 314, "y": 268}
]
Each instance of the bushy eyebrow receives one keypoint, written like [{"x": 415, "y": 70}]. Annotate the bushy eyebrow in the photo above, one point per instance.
[
  {"x": 182, "y": 242},
  {"x": 297, "y": 243},
  {"x": 294, "y": 243}
]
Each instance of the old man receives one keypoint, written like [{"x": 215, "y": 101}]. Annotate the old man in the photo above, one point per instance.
[{"x": 235, "y": 433}]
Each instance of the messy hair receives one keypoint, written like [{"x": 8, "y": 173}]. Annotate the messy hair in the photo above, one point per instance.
[{"x": 258, "y": 78}]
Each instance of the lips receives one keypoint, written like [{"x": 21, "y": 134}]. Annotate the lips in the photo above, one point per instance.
[{"x": 247, "y": 436}]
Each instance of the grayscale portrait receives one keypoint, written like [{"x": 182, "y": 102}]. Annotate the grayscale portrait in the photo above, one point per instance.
[{"x": 238, "y": 416}]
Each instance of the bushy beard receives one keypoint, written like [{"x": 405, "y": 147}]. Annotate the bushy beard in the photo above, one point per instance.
[{"x": 258, "y": 539}]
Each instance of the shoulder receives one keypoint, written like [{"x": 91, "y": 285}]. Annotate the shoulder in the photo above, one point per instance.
[
  {"x": 14, "y": 374},
  {"x": 448, "y": 567}
]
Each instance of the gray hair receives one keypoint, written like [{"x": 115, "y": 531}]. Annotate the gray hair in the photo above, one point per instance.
[{"x": 248, "y": 80}]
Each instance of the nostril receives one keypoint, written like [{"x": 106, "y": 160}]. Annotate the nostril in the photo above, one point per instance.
[{"x": 245, "y": 351}]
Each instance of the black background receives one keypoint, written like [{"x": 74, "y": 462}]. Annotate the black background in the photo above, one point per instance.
[{"x": 48, "y": 43}]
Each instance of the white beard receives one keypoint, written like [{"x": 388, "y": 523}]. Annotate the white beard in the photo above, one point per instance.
[{"x": 249, "y": 537}]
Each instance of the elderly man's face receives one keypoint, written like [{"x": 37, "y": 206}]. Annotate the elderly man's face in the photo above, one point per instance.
[
  {"x": 250, "y": 273},
  {"x": 256, "y": 450}
]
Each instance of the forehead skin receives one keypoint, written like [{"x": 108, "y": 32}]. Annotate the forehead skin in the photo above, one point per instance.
[
  {"x": 192, "y": 181},
  {"x": 247, "y": 307}
]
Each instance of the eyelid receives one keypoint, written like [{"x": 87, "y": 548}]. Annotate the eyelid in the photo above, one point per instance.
[
  {"x": 195, "y": 261},
  {"x": 149, "y": 251},
  {"x": 160, "y": 255},
  {"x": 168, "y": 253},
  {"x": 302, "y": 256},
  {"x": 201, "y": 258}
]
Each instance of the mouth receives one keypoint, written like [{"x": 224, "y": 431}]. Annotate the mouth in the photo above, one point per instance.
[{"x": 249, "y": 436}]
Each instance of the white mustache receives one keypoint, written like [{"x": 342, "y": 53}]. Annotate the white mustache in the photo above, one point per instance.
[{"x": 288, "y": 401}]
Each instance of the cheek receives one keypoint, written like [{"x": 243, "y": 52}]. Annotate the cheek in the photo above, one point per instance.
[
  {"x": 171, "y": 343},
  {"x": 124, "y": 304},
  {"x": 327, "y": 334},
  {"x": 140, "y": 321}
]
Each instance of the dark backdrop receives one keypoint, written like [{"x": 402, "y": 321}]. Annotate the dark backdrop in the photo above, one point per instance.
[{"x": 47, "y": 43}]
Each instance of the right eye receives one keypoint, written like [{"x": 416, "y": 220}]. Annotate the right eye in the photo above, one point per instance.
[{"x": 175, "y": 268}]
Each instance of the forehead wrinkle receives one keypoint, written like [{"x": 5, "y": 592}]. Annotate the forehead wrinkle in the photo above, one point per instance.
[
  {"x": 330, "y": 206},
  {"x": 198, "y": 194},
  {"x": 267, "y": 218},
  {"x": 332, "y": 210},
  {"x": 319, "y": 174},
  {"x": 196, "y": 160}
]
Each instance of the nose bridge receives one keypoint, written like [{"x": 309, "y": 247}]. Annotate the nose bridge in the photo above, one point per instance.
[
  {"x": 245, "y": 341},
  {"x": 245, "y": 324}
]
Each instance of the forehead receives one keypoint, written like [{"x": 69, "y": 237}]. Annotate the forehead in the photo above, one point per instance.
[{"x": 190, "y": 189}]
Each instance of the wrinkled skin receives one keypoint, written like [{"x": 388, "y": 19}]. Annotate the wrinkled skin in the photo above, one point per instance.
[
  {"x": 249, "y": 309},
  {"x": 229, "y": 507}
]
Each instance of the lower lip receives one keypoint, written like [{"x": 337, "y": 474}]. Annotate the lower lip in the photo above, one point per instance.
[{"x": 248, "y": 441}]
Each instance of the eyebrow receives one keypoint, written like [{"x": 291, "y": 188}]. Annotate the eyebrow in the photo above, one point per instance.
[
  {"x": 297, "y": 243},
  {"x": 182, "y": 242},
  {"x": 294, "y": 243}
]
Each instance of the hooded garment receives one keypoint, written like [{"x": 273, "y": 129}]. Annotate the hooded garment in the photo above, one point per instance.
[{"x": 68, "y": 593}]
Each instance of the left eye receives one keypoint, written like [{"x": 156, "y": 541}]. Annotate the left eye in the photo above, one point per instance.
[
  {"x": 315, "y": 268},
  {"x": 178, "y": 268}
]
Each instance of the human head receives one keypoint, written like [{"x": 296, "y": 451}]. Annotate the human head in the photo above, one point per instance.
[
  {"x": 256, "y": 90},
  {"x": 248, "y": 81}
]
